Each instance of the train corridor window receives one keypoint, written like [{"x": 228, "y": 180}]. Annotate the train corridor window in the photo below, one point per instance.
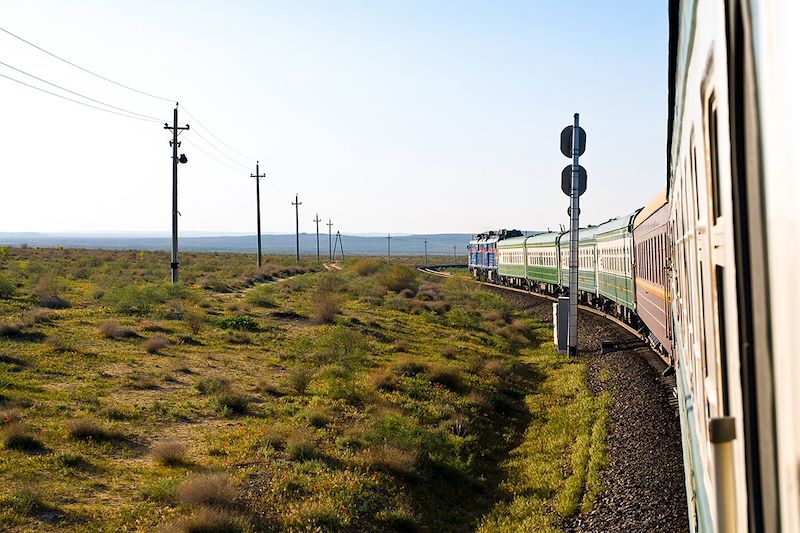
[{"x": 713, "y": 159}]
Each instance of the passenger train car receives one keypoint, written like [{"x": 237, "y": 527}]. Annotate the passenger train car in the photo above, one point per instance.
[{"x": 708, "y": 270}]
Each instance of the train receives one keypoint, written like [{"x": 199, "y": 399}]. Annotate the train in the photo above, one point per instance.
[{"x": 708, "y": 270}]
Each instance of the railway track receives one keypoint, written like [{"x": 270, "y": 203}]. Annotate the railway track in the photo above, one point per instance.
[{"x": 653, "y": 358}]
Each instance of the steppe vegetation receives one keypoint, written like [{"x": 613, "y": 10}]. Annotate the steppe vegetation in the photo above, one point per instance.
[{"x": 367, "y": 399}]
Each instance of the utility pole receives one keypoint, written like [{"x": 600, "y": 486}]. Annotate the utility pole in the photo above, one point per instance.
[
  {"x": 426, "y": 252},
  {"x": 330, "y": 250},
  {"x": 389, "y": 247},
  {"x": 297, "y": 203},
  {"x": 258, "y": 177},
  {"x": 317, "y": 221},
  {"x": 454, "y": 254},
  {"x": 341, "y": 247},
  {"x": 175, "y": 160}
]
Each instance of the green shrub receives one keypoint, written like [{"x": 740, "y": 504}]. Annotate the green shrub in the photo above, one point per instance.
[
  {"x": 7, "y": 288},
  {"x": 211, "y": 385},
  {"x": 262, "y": 295},
  {"x": 240, "y": 323},
  {"x": 399, "y": 277}
]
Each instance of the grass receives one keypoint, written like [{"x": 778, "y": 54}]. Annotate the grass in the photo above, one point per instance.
[{"x": 409, "y": 408}]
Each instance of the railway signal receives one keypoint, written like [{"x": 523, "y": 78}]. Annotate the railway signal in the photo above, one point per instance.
[{"x": 573, "y": 184}]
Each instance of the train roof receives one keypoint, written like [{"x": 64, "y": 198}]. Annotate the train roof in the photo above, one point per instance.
[
  {"x": 512, "y": 242},
  {"x": 549, "y": 237},
  {"x": 624, "y": 222},
  {"x": 659, "y": 201}
]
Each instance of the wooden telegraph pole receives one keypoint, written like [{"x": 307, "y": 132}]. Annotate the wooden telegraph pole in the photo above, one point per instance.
[{"x": 258, "y": 177}]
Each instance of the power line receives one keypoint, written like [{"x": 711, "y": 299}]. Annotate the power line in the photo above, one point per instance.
[
  {"x": 212, "y": 145},
  {"x": 87, "y": 70},
  {"x": 77, "y": 101},
  {"x": 217, "y": 138},
  {"x": 79, "y": 94},
  {"x": 212, "y": 156}
]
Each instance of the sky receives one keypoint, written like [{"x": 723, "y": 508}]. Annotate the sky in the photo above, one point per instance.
[{"x": 404, "y": 117}]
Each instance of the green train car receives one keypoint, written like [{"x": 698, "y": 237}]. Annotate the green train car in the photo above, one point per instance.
[
  {"x": 605, "y": 257},
  {"x": 587, "y": 262}
]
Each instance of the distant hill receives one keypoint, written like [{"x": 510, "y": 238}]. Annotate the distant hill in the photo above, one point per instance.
[{"x": 438, "y": 244}]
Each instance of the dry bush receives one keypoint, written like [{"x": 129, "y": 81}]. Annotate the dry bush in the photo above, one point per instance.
[
  {"x": 195, "y": 318},
  {"x": 46, "y": 292},
  {"x": 205, "y": 520},
  {"x": 382, "y": 379},
  {"x": 481, "y": 401},
  {"x": 498, "y": 368},
  {"x": 211, "y": 490},
  {"x": 26, "y": 500},
  {"x": 301, "y": 446},
  {"x": 275, "y": 435},
  {"x": 446, "y": 376},
  {"x": 317, "y": 417},
  {"x": 409, "y": 366},
  {"x": 112, "y": 330},
  {"x": 10, "y": 329},
  {"x": 169, "y": 453},
  {"x": 389, "y": 458},
  {"x": 90, "y": 429},
  {"x": 141, "y": 382},
  {"x": 149, "y": 325},
  {"x": 37, "y": 315},
  {"x": 61, "y": 344},
  {"x": 475, "y": 363},
  {"x": 401, "y": 345},
  {"x": 155, "y": 343},
  {"x": 449, "y": 352},
  {"x": 266, "y": 386},
  {"x": 231, "y": 402},
  {"x": 440, "y": 308},
  {"x": 326, "y": 307},
  {"x": 238, "y": 337},
  {"x": 299, "y": 378},
  {"x": 7, "y": 416},
  {"x": 174, "y": 310},
  {"x": 20, "y": 436}
]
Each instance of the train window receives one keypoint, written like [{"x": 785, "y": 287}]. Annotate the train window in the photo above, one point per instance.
[{"x": 713, "y": 155}]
